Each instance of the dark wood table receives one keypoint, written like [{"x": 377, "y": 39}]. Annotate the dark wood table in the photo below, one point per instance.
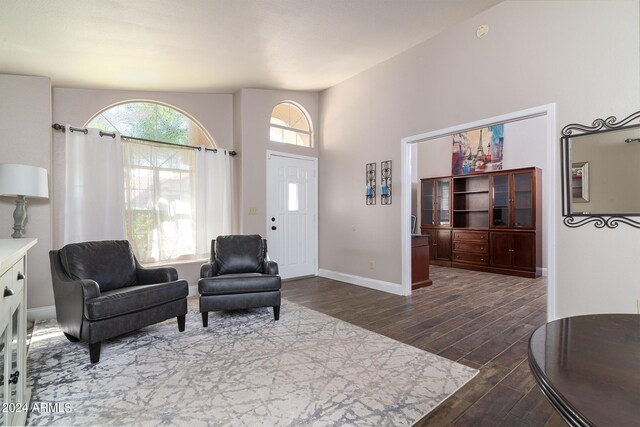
[{"x": 589, "y": 368}]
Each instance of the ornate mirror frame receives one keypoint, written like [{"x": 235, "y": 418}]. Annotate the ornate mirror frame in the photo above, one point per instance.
[{"x": 599, "y": 220}]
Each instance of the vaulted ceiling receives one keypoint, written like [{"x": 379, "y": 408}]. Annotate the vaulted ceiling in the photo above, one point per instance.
[{"x": 215, "y": 45}]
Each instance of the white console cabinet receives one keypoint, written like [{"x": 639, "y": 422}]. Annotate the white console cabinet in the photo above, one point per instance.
[{"x": 14, "y": 395}]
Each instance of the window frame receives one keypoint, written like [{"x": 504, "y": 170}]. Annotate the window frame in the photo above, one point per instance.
[
  {"x": 304, "y": 114},
  {"x": 210, "y": 139}
]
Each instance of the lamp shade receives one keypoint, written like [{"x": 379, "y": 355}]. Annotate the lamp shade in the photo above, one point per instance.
[{"x": 23, "y": 180}]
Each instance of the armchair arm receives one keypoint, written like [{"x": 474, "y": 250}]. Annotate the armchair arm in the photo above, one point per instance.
[
  {"x": 209, "y": 269},
  {"x": 152, "y": 275},
  {"x": 77, "y": 291},
  {"x": 270, "y": 267},
  {"x": 90, "y": 289},
  {"x": 70, "y": 296}
]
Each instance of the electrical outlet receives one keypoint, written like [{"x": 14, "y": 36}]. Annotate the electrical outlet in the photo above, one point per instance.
[
  {"x": 253, "y": 210},
  {"x": 372, "y": 265}
]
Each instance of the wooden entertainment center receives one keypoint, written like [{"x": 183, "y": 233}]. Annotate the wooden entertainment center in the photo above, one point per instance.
[{"x": 485, "y": 221}]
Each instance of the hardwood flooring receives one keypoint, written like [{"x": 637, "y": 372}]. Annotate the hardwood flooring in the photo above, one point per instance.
[{"x": 479, "y": 319}]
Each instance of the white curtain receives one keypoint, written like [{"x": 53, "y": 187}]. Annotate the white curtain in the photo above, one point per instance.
[
  {"x": 213, "y": 198},
  {"x": 94, "y": 187},
  {"x": 160, "y": 186}
]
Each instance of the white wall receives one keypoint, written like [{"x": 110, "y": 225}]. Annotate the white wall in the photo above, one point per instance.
[
  {"x": 536, "y": 53},
  {"x": 255, "y": 106},
  {"x": 25, "y": 138}
]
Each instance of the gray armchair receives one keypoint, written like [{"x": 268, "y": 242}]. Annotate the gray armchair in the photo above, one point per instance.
[
  {"x": 239, "y": 276},
  {"x": 101, "y": 291}
]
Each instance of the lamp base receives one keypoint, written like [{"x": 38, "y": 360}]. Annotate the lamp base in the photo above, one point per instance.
[{"x": 19, "y": 215}]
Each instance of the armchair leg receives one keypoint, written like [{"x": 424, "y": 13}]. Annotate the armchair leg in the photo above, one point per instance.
[
  {"x": 276, "y": 312},
  {"x": 94, "y": 352},
  {"x": 181, "y": 323},
  {"x": 205, "y": 319},
  {"x": 71, "y": 337}
]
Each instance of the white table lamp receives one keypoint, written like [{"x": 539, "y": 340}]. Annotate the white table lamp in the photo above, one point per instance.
[{"x": 22, "y": 181}]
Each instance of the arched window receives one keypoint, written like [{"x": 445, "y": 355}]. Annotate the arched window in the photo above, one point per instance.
[
  {"x": 290, "y": 125},
  {"x": 151, "y": 120},
  {"x": 160, "y": 179}
]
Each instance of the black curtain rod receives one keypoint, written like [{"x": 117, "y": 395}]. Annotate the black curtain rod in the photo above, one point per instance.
[{"x": 59, "y": 127}]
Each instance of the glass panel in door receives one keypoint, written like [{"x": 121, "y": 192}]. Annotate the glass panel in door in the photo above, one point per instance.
[
  {"x": 427, "y": 203},
  {"x": 523, "y": 199},
  {"x": 444, "y": 202},
  {"x": 501, "y": 200}
]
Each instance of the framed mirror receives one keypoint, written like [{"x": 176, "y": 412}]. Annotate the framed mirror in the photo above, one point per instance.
[{"x": 601, "y": 173}]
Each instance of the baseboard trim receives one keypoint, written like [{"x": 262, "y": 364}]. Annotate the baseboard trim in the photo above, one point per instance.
[
  {"x": 41, "y": 313},
  {"x": 193, "y": 291},
  {"x": 379, "y": 285},
  {"x": 542, "y": 271}
]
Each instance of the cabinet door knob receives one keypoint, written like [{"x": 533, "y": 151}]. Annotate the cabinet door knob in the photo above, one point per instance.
[
  {"x": 8, "y": 292},
  {"x": 20, "y": 276},
  {"x": 273, "y": 227}
]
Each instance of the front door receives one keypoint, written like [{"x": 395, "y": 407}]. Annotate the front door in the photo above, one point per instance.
[{"x": 292, "y": 213}]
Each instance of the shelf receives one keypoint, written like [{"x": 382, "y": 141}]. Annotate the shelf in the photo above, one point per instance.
[
  {"x": 472, "y": 192},
  {"x": 471, "y": 210}
]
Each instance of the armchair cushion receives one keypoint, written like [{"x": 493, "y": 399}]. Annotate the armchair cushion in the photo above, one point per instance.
[
  {"x": 238, "y": 254},
  {"x": 238, "y": 284},
  {"x": 110, "y": 263},
  {"x": 131, "y": 299}
]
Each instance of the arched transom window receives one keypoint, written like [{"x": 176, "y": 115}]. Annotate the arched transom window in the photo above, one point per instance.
[
  {"x": 150, "y": 120},
  {"x": 290, "y": 125}
]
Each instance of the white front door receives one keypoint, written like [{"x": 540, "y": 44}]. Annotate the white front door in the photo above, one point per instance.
[{"x": 292, "y": 202}]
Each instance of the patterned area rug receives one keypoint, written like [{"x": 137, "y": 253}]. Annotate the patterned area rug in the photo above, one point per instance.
[{"x": 245, "y": 369}]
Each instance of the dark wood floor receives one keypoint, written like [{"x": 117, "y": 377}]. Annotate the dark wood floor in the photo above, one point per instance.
[{"x": 480, "y": 319}]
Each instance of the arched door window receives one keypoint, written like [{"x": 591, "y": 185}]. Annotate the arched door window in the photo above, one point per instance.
[{"x": 290, "y": 125}]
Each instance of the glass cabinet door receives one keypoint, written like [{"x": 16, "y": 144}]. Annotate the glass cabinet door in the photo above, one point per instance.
[
  {"x": 501, "y": 201},
  {"x": 523, "y": 199},
  {"x": 444, "y": 202},
  {"x": 428, "y": 202}
]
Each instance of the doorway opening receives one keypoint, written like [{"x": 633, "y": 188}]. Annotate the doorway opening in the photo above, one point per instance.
[{"x": 544, "y": 114}]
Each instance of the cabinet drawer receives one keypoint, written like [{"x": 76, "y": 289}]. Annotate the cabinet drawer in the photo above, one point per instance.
[
  {"x": 5, "y": 303},
  {"x": 10, "y": 280},
  {"x": 18, "y": 271},
  {"x": 471, "y": 258},
  {"x": 475, "y": 247},
  {"x": 478, "y": 236}
]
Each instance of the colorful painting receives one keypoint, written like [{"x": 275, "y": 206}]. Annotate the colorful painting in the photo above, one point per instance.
[{"x": 478, "y": 150}]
